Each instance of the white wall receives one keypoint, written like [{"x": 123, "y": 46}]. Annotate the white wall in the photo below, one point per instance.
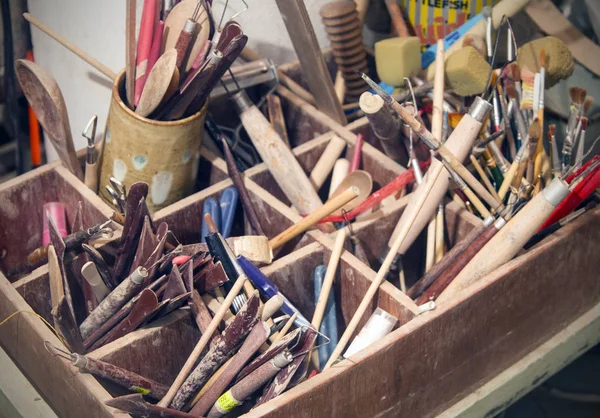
[{"x": 98, "y": 27}]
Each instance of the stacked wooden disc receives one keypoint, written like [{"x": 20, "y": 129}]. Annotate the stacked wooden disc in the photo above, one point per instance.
[{"x": 344, "y": 31}]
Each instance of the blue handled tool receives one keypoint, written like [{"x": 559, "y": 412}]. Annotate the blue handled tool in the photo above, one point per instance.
[
  {"x": 329, "y": 323},
  {"x": 228, "y": 203}
]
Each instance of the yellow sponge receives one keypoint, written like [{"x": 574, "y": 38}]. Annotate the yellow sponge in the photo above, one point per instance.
[
  {"x": 559, "y": 60},
  {"x": 467, "y": 72},
  {"x": 397, "y": 58}
]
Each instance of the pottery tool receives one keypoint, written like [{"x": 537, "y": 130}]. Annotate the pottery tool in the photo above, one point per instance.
[
  {"x": 483, "y": 176},
  {"x": 327, "y": 284},
  {"x": 143, "y": 48},
  {"x": 122, "y": 377},
  {"x": 397, "y": 58},
  {"x": 206, "y": 336},
  {"x": 243, "y": 389},
  {"x": 113, "y": 302},
  {"x": 157, "y": 42},
  {"x": 70, "y": 46},
  {"x": 467, "y": 72},
  {"x": 91, "y": 275},
  {"x": 477, "y": 113},
  {"x": 255, "y": 339},
  {"x": 326, "y": 162},
  {"x": 45, "y": 98},
  {"x": 329, "y": 323},
  {"x": 35, "y": 139},
  {"x": 130, "y": 14},
  {"x": 57, "y": 292},
  {"x": 251, "y": 74},
  {"x": 280, "y": 160},
  {"x": 228, "y": 204},
  {"x": 234, "y": 174},
  {"x": 163, "y": 74},
  {"x": 181, "y": 392},
  {"x": 182, "y": 44},
  {"x": 577, "y": 95},
  {"x": 304, "y": 40},
  {"x": 344, "y": 30},
  {"x": 581, "y": 143},
  {"x": 339, "y": 173},
  {"x": 330, "y": 206},
  {"x": 91, "y": 155},
  {"x": 510, "y": 239},
  {"x": 379, "y": 324},
  {"x": 385, "y": 125},
  {"x": 449, "y": 258},
  {"x": 556, "y": 160},
  {"x": 39, "y": 256},
  {"x": 359, "y": 179},
  {"x": 462, "y": 259},
  {"x": 276, "y": 117},
  {"x": 356, "y": 154}
]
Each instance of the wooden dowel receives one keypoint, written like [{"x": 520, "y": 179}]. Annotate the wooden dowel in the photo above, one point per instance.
[
  {"x": 412, "y": 212},
  {"x": 71, "y": 47},
  {"x": 430, "y": 247},
  {"x": 57, "y": 291},
  {"x": 271, "y": 306},
  {"x": 206, "y": 336},
  {"x": 326, "y": 162},
  {"x": 130, "y": 46},
  {"x": 483, "y": 176},
  {"x": 439, "y": 234},
  {"x": 334, "y": 260},
  {"x": 329, "y": 207},
  {"x": 286, "y": 327},
  {"x": 511, "y": 238},
  {"x": 276, "y": 117},
  {"x": 424, "y": 282}
]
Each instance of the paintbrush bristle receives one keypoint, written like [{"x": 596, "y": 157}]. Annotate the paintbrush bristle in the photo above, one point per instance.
[
  {"x": 577, "y": 94},
  {"x": 584, "y": 123},
  {"x": 534, "y": 131},
  {"x": 515, "y": 72},
  {"x": 587, "y": 104},
  {"x": 552, "y": 130},
  {"x": 511, "y": 90},
  {"x": 542, "y": 58}
]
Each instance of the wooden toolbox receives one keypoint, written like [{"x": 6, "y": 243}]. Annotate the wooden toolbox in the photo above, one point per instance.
[{"x": 427, "y": 363}]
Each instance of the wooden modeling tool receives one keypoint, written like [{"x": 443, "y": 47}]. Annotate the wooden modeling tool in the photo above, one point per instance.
[
  {"x": 163, "y": 74},
  {"x": 340, "y": 171},
  {"x": 277, "y": 118},
  {"x": 359, "y": 179},
  {"x": 144, "y": 45},
  {"x": 310, "y": 220},
  {"x": 206, "y": 336},
  {"x": 511, "y": 238},
  {"x": 70, "y": 46},
  {"x": 137, "y": 406},
  {"x": 323, "y": 167},
  {"x": 277, "y": 156},
  {"x": 190, "y": 14},
  {"x": 45, "y": 98},
  {"x": 307, "y": 48},
  {"x": 385, "y": 125},
  {"x": 91, "y": 275},
  {"x": 91, "y": 156},
  {"x": 186, "y": 35},
  {"x": 130, "y": 14}
]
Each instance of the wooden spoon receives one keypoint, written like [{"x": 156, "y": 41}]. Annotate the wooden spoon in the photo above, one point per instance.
[
  {"x": 175, "y": 22},
  {"x": 359, "y": 179},
  {"x": 157, "y": 85},
  {"x": 47, "y": 101}
]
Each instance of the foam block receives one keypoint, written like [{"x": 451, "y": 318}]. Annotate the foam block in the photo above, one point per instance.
[
  {"x": 559, "y": 60},
  {"x": 397, "y": 58},
  {"x": 467, "y": 72}
]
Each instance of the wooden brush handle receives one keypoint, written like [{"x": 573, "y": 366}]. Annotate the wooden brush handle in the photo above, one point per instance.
[
  {"x": 91, "y": 176},
  {"x": 336, "y": 253},
  {"x": 507, "y": 243},
  {"x": 280, "y": 160},
  {"x": 277, "y": 118},
  {"x": 460, "y": 262},
  {"x": 325, "y": 164},
  {"x": 508, "y": 177},
  {"x": 478, "y": 204},
  {"x": 329, "y": 207},
  {"x": 424, "y": 282}
]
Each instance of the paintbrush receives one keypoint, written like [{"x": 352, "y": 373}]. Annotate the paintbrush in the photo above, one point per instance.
[
  {"x": 577, "y": 95},
  {"x": 556, "y": 161},
  {"x": 581, "y": 143}
]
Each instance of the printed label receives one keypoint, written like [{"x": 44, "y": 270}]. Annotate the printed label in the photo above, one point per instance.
[{"x": 227, "y": 402}]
